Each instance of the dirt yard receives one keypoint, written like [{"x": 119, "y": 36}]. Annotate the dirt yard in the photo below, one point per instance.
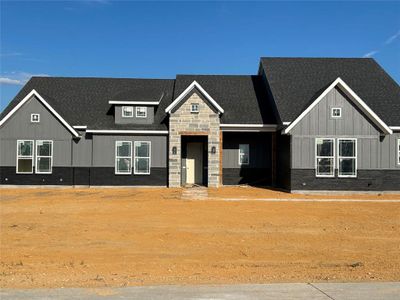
[{"x": 124, "y": 237}]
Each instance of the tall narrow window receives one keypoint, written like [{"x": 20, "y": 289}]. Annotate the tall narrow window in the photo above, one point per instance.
[
  {"x": 142, "y": 158},
  {"x": 44, "y": 157},
  {"x": 127, "y": 111},
  {"x": 244, "y": 154},
  {"x": 398, "y": 151},
  {"x": 141, "y": 112},
  {"x": 123, "y": 157},
  {"x": 325, "y": 157},
  {"x": 24, "y": 157},
  {"x": 347, "y": 157}
]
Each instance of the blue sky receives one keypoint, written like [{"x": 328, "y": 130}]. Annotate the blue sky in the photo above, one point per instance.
[{"x": 162, "y": 39}]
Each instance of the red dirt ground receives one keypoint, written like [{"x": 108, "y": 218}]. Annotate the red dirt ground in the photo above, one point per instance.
[{"x": 123, "y": 237}]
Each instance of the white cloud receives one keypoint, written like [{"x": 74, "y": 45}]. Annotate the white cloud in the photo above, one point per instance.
[
  {"x": 392, "y": 38},
  {"x": 370, "y": 54},
  {"x": 17, "y": 78},
  {"x": 9, "y": 81}
]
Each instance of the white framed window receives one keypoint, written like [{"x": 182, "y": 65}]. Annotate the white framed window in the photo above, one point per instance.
[
  {"x": 142, "y": 158},
  {"x": 347, "y": 157},
  {"x": 127, "y": 111},
  {"x": 35, "y": 118},
  {"x": 398, "y": 151},
  {"x": 194, "y": 108},
  {"x": 325, "y": 157},
  {"x": 123, "y": 157},
  {"x": 244, "y": 154},
  {"x": 336, "y": 112},
  {"x": 141, "y": 112},
  {"x": 25, "y": 156},
  {"x": 44, "y": 157}
]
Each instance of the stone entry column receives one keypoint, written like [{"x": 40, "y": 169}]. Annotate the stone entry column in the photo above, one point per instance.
[{"x": 182, "y": 122}]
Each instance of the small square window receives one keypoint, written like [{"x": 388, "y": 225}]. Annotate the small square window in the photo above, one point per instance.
[
  {"x": 35, "y": 118},
  {"x": 336, "y": 112},
  {"x": 127, "y": 111},
  {"x": 194, "y": 108},
  {"x": 141, "y": 112}
]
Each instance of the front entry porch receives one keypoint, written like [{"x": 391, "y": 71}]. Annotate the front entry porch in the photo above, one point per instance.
[{"x": 194, "y": 161}]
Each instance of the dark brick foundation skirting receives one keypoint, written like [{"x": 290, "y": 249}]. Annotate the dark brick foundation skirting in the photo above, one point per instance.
[
  {"x": 106, "y": 176},
  {"x": 96, "y": 176},
  {"x": 59, "y": 176},
  {"x": 367, "y": 180},
  {"x": 251, "y": 176}
]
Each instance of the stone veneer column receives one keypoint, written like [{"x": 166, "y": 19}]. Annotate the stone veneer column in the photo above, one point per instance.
[{"x": 183, "y": 122}]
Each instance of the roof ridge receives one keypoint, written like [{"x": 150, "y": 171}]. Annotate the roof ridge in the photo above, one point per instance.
[
  {"x": 105, "y": 78},
  {"x": 315, "y": 57}
]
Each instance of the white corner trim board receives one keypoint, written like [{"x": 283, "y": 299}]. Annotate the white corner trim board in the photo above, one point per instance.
[
  {"x": 357, "y": 100},
  {"x": 48, "y": 106},
  {"x": 134, "y": 102},
  {"x": 193, "y": 85},
  {"x": 111, "y": 131}
]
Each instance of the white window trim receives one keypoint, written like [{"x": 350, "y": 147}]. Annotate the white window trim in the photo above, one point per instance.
[
  {"x": 116, "y": 159},
  {"x": 332, "y": 157},
  {"x": 354, "y": 157},
  {"x": 38, "y": 156},
  {"x": 137, "y": 110},
  {"x": 134, "y": 158},
  {"x": 398, "y": 151},
  {"x": 340, "y": 112},
  {"x": 32, "y": 157},
  {"x": 33, "y": 121},
  {"x": 194, "y": 111},
  {"x": 248, "y": 162},
  {"x": 123, "y": 112}
]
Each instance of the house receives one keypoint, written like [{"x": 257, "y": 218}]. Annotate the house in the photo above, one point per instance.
[{"x": 298, "y": 124}]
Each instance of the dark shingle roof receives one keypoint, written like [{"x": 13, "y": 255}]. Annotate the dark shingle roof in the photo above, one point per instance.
[
  {"x": 243, "y": 98},
  {"x": 84, "y": 101},
  {"x": 296, "y": 82}
]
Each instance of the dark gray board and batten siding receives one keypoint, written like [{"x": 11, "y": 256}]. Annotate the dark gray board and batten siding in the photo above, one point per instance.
[
  {"x": 19, "y": 127},
  {"x": 258, "y": 172},
  {"x": 376, "y": 154},
  {"x": 86, "y": 161},
  {"x": 103, "y": 161}
]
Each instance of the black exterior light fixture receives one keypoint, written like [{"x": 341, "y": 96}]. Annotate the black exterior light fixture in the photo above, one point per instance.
[
  {"x": 174, "y": 150},
  {"x": 213, "y": 150}
]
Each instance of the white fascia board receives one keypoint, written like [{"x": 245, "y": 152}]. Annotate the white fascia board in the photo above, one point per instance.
[
  {"x": 80, "y": 126},
  {"x": 134, "y": 102},
  {"x": 250, "y": 125},
  {"x": 105, "y": 131},
  {"x": 193, "y": 85},
  {"x": 394, "y": 128},
  {"x": 349, "y": 92},
  {"x": 44, "y": 102},
  {"x": 248, "y": 129},
  {"x": 286, "y": 123}
]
